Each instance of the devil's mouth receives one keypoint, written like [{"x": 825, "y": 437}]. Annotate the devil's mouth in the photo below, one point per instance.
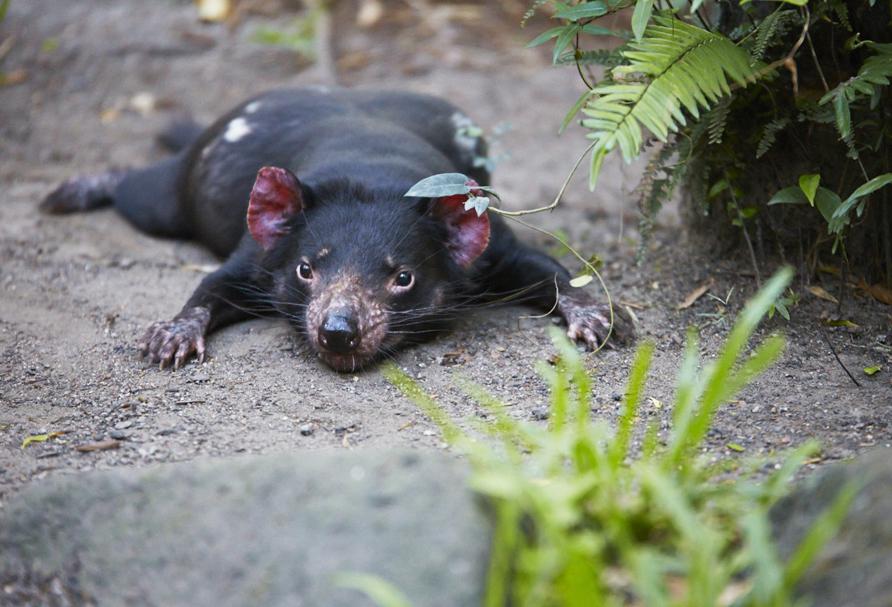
[{"x": 345, "y": 363}]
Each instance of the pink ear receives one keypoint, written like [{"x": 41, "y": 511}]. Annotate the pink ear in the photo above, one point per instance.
[
  {"x": 275, "y": 198},
  {"x": 468, "y": 232}
]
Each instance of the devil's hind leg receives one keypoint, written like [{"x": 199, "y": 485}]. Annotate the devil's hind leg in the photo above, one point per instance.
[
  {"x": 84, "y": 193},
  {"x": 147, "y": 197}
]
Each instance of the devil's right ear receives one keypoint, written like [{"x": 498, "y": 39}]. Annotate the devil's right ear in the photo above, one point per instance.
[{"x": 275, "y": 198}]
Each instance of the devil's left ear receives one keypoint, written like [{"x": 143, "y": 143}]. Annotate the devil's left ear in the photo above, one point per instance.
[
  {"x": 275, "y": 198},
  {"x": 468, "y": 233}
]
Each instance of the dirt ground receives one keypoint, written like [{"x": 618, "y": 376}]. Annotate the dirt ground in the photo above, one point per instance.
[{"x": 102, "y": 76}]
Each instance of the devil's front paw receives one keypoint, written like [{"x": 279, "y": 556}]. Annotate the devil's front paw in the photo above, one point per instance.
[
  {"x": 588, "y": 321},
  {"x": 177, "y": 340}
]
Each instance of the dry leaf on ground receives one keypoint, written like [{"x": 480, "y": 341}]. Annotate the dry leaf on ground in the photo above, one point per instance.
[
  {"x": 821, "y": 293},
  {"x": 696, "y": 294}
]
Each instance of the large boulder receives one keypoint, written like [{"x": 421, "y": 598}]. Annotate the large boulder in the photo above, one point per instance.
[
  {"x": 271, "y": 530},
  {"x": 855, "y": 568}
]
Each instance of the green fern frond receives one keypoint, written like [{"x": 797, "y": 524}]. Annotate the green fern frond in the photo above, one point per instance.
[
  {"x": 842, "y": 13},
  {"x": 811, "y": 111},
  {"x": 770, "y": 30},
  {"x": 875, "y": 73},
  {"x": 676, "y": 67},
  {"x": 536, "y": 5},
  {"x": 769, "y": 135},
  {"x": 606, "y": 57},
  {"x": 658, "y": 183},
  {"x": 717, "y": 120}
]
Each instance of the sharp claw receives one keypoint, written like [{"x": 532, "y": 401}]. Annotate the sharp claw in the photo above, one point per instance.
[
  {"x": 591, "y": 339},
  {"x": 171, "y": 344}
]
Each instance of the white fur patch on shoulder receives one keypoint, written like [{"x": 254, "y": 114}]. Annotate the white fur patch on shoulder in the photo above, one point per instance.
[
  {"x": 252, "y": 107},
  {"x": 237, "y": 129}
]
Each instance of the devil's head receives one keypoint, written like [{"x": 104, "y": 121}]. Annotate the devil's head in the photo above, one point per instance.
[{"x": 360, "y": 272}]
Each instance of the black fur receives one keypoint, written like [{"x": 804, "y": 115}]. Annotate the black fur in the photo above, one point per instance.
[{"x": 356, "y": 154}]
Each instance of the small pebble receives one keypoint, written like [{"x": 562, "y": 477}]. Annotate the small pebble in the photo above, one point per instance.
[
  {"x": 540, "y": 413},
  {"x": 124, "y": 424},
  {"x": 118, "y": 434},
  {"x": 616, "y": 396},
  {"x": 306, "y": 430}
]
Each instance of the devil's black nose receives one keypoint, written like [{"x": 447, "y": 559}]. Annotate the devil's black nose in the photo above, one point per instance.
[{"x": 339, "y": 334}]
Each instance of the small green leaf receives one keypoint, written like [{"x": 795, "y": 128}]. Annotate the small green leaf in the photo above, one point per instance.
[
  {"x": 40, "y": 438},
  {"x": 827, "y": 201},
  {"x": 718, "y": 187},
  {"x": 381, "y": 591},
  {"x": 581, "y": 281},
  {"x": 872, "y": 370},
  {"x": 780, "y": 306},
  {"x": 478, "y": 203},
  {"x": 809, "y": 184},
  {"x": 839, "y": 322},
  {"x": 872, "y": 186},
  {"x": 545, "y": 36},
  {"x": 563, "y": 41},
  {"x": 444, "y": 184},
  {"x": 791, "y": 195},
  {"x": 599, "y": 30},
  {"x": 843, "y": 115},
  {"x": 49, "y": 45},
  {"x": 574, "y": 110},
  {"x": 736, "y": 447},
  {"x": 641, "y": 17},
  {"x": 586, "y": 10},
  {"x": 868, "y": 188},
  {"x": 4, "y": 6},
  {"x": 749, "y": 212}
]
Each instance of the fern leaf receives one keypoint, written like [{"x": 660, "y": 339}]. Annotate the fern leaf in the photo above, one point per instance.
[
  {"x": 770, "y": 30},
  {"x": 605, "y": 57},
  {"x": 769, "y": 135},
  {"x": 536, "y": 5},
  {"x": 675, "y": 68},
  {"x": 842, "y": 13},
  {"x": 875, "y": 73},
  {"x": 717, "y": 120},
  {"x": 657, "y": 185}
]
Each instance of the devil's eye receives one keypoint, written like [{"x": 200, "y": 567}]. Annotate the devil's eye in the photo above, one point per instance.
[
  {"x": 304, "y": 271},
  {"x": 404, "y": 279}
]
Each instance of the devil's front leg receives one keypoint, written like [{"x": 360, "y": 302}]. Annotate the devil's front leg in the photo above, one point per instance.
[
  {"x": 223, "y": 297},
  {"x": 541, "y": 281}
]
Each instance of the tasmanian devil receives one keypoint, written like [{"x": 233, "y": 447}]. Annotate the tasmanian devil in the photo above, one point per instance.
[{"x": 332, "y": 243}]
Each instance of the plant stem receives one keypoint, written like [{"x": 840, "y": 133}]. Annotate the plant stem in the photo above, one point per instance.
[
  {"x": 814, "y": 56},
  {"x": 557, "y": 198},
  {"x": 836, "y": 356}
]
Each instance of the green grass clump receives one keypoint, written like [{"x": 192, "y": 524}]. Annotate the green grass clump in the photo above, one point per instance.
[{"x": 585, "y": 517}]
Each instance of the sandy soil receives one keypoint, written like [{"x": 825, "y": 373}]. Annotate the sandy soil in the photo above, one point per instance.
[{"x": 103, "y": 76}]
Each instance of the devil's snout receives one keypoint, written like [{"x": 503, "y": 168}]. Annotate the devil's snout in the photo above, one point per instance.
[{"x": 339, "y": 333}]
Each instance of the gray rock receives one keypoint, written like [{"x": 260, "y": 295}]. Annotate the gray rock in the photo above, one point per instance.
[
  {"x": 540, "y": 413},
  {"x": 855, "y": 568},
  {"x": 270, "y": 530}
]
